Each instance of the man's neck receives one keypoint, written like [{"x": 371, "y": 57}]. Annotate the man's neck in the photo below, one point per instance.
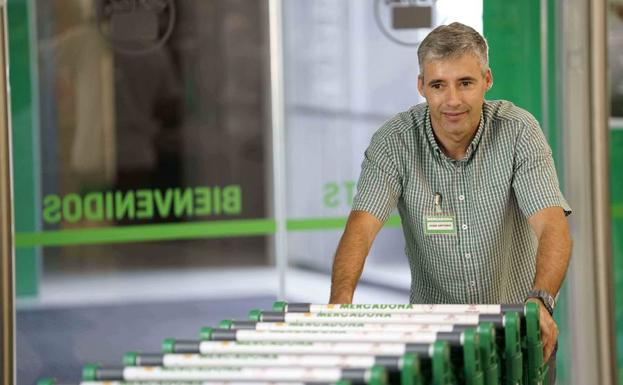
[{"x": 454, "y": 147}]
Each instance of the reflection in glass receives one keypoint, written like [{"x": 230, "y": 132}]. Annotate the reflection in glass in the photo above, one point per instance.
[{"x": 153, "y": 112}]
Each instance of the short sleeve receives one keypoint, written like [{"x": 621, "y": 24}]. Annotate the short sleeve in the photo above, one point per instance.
[
  {"x": 379, "y": 186},
  {"x": 534, "y": 181}
]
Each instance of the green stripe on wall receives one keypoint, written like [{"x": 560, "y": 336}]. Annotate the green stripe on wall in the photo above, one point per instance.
[
  {"x": 167, "y": 232},
  {"x": 141, "y": 233},
  {"x": 330, "y": 223},
  {"x": 393, "y": 221},
  {"x": 316, "y": 224}
]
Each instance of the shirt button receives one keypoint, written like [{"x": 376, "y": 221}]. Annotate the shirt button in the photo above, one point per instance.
[
  {"x": 464, "y": 227},
  {"x": 461, "y": 197},
  {"x": 468, "y": 255},
  {"x": 472, "y": 283}
]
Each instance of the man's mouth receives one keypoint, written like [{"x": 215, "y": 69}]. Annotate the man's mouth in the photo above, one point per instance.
[{"x": 454, "y": 115}]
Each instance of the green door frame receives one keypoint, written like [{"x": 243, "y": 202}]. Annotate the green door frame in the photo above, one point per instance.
[
  {"x": 518, "y": 33},
  {"x": 25, "y": 143}
]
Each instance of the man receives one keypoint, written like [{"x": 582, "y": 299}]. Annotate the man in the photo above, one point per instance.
[{"x": 475, "y": 186}]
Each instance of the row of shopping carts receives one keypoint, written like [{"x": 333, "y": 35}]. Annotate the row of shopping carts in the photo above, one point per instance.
[{"x": 347, "y": 344}]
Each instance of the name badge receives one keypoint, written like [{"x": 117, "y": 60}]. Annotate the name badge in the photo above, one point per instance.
[{"x": 439, "y": 224}]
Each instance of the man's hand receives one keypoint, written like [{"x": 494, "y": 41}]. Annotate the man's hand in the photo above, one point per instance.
[
  {"x": 549, "y": 330},
  {"x": 552, "y": 260}
]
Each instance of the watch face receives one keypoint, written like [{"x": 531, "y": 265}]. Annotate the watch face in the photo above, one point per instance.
[
  {"x": 548, "y": 299},
  {"x": 550, "y": 302}
]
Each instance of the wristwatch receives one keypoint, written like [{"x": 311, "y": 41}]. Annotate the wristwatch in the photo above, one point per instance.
[{"x": 546, "y": 298}]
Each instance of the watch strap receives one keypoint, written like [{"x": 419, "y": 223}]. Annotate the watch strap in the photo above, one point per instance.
[{"x": 546, "y": 298}]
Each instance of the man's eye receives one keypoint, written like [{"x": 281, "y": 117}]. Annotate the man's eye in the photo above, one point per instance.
[
  {"x": 466, "y": 83},
  {"x": 436, "y": 86}
]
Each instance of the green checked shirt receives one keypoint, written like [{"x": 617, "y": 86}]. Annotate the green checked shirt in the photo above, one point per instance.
[{"x": 507, "y": 175}]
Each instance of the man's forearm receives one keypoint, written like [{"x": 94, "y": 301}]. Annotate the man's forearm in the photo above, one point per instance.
[
  {"x": 552, "y": 258},
  {"x": 347, "y": 267},
  {"x": 351, "y": 254}
]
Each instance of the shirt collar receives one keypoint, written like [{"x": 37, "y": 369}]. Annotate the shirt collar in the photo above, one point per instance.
[{"x": 472, "y": 146}]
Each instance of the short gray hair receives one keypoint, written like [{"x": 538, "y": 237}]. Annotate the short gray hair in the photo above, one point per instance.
[{"x": 454, "y": 40}]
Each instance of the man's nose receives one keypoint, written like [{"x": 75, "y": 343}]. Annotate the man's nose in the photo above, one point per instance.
[{"x": 453, "y": 96}]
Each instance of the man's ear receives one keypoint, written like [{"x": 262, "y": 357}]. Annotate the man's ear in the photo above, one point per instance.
[
  {"x": 489, "y": 79},
  {"x": 420, "y": 84}
]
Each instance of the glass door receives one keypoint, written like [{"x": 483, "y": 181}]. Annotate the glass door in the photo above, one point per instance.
[{"x": 142, "y": 174}]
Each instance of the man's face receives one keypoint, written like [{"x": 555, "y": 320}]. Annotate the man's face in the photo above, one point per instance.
[{"x": 455, "y": 90}]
